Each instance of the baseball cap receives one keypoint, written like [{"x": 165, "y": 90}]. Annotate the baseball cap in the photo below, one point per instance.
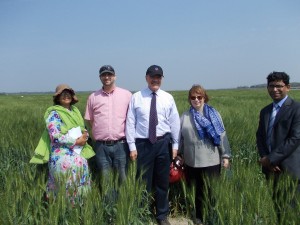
[
  {"x": 154, "y": 70},
  {"x": 106, "y": 69}
]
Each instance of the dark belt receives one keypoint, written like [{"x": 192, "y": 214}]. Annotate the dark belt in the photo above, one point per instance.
[
  {"x": 112, "y": 142},
  {"x": 160, "y": 137}
]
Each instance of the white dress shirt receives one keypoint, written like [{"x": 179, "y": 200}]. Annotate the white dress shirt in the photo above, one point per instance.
[{"x": 137, "y": 122}]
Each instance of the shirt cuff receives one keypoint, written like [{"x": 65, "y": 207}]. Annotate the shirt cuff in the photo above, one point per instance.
[
  {"x": 175, "y": 146},
  {"x": 132, "y": 146}
]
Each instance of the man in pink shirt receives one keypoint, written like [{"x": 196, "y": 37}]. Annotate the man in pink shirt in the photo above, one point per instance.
[{"x": 106, "y": 112}]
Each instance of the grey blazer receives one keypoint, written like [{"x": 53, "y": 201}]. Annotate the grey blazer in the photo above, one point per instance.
[
  {"x": 200, "y": 153},
  {"x": 285, "y": 140}
]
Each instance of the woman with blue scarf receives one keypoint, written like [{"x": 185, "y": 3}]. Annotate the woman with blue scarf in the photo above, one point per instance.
[{"x": 203, "y": 143}]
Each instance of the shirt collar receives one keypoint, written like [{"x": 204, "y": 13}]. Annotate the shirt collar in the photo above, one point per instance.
[
  {"x": 149, "y": 92},
  {"x": 107, "y": 93},
  {"x": 280, "y": 103}
]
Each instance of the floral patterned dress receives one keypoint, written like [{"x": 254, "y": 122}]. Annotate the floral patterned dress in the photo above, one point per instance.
[{"x": 64, "y": 161}]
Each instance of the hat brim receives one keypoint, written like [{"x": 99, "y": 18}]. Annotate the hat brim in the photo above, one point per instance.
[
  {"x": 152, "y": 75},
  {"x": 74, "y": 97},
  {"x": 58, "y": 92},
  {"x": 107, "y": 71}
]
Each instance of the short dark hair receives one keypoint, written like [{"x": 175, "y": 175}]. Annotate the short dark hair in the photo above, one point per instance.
[{"x": 275, "y": 76}]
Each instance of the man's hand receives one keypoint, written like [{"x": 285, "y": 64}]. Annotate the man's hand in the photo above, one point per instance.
[
  {"x": 265, "y": 162},
  {"x": 174, "y": 153},
  {"x": 133, "y": 155}
]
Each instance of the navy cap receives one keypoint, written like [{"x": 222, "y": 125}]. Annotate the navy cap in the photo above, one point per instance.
[
  {"x": 106, "y": 69},
  {"x": 154, "y": 70}
]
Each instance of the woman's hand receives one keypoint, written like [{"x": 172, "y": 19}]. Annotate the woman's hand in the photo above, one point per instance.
[
  {"x": 85, "y": 135},
  {"x": 225, "y": 163},
  {"x": 81, "y": 141}
]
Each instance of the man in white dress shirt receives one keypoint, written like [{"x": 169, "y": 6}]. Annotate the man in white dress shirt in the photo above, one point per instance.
[{"x": 153, "y": 157}]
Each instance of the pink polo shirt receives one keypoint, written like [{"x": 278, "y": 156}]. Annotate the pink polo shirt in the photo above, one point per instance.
[{"x": 107, "y": 112}]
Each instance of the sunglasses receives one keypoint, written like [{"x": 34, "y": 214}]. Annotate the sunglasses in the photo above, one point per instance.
[
  {"x": 66, "y": 93},
  {"x": 196, "y": 97}
]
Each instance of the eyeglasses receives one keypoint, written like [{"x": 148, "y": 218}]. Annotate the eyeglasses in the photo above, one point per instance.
[
  {"x": 271, "y": 86},
  {"x": 196, "y": 97}
]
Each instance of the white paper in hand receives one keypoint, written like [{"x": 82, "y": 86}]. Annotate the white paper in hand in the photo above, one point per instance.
[{"x": 75, "y": 133}]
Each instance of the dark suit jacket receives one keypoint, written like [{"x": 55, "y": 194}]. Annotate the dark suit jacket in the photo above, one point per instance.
[{"x": 285, "y": 140}]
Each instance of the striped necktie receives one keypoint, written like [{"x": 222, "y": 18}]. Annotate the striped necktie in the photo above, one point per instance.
[{"x": 271, "y": 123}]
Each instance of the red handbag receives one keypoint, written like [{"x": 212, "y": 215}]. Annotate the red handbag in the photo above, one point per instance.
[{"x": 176, "y": 170}]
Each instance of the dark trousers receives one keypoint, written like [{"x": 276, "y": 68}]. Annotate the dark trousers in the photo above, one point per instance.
[
  {"x": 286, "y": 192},
  {"x": 196, "y": 176},
  {"x": 153, "y": 162},
  {"x": 112, "y": 158}
]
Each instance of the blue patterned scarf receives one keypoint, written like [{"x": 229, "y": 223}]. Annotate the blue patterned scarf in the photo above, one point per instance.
[{"x": 208, "y": 125}]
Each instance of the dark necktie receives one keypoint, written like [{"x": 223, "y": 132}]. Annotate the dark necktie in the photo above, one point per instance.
[
  {"x": 271, "y": 123},
  {"x": 153, "y": 119}
]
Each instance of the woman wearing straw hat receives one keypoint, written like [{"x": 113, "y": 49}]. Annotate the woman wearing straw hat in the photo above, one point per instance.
[{"x": 64, "y": 144}]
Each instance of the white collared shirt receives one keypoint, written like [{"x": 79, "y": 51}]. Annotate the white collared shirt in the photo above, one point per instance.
[{"x": 137, "y": 122}]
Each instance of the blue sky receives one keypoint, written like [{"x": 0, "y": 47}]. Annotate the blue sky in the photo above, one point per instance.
[{"x": 219, "y": 44}]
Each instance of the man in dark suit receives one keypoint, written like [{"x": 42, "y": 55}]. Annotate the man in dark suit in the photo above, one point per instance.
[{"x": 278, "y": 133}]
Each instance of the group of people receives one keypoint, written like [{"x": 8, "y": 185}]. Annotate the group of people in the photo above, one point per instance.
[{"x": 142, "y": 126}]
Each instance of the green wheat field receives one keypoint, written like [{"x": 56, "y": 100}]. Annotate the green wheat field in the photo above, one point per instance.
[{"x": 240, "y": 196}]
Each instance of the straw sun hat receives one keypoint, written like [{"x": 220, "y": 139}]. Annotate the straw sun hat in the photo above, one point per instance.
[{"x": 60, "y": 88}]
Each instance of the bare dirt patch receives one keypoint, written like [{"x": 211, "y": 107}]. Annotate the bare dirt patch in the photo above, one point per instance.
[{"x": 178, "y": 221}]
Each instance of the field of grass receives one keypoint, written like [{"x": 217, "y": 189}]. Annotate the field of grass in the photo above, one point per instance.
[{"x": 241, "y": 196}]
